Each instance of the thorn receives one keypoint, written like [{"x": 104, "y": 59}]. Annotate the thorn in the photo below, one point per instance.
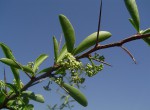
[
  {"x": 99, "y": 23},
  {"x": 5, "y": 80}
]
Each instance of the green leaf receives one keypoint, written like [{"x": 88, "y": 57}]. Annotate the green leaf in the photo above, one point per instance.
[
  {"x": 133, "y": 10},
  {"x": 132, "y": 22},
  {"x": 27, "y": 69},
  {"x": 45, "y": 70},
  {"x": 76, "y": 94},
  {"x": 39, "y": 61},
  {"x": 147, "y": 31},
  {"x": 16, "y": 75},
  {"x": 12, "y": 87},
  {"x": 68, "y": 31},
  {"x": 91, "y": 40},
  {"x": 61, "y": 71},
  {"x": 25, "y": 100},
  {"x": 29, "y": 107},
  {"x": 11, "y": 103},
  {"x": 56, "y": 48},
  {"x": 8, "y": 54},
  {"x": 15, "y": 64},
  {"x": 62, "y": 53},
  {"x": 2, "y": 98},
  {"x": 35, "y": 97},
  {"x": 10, "y": 62},
  {"x": 7, "y": 51}
]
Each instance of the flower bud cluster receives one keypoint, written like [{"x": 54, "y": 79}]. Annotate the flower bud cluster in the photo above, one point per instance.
[
  {"x": 69, "y": 62},
  {"x": 30, "y": 64},
  {"x": 92, "y": 70},
  {"x": 58, "y": 80},
  {"x": 76, "y": 68},
  {"x": 98, "y": 57},
  {"x": 76, "y": 78}
]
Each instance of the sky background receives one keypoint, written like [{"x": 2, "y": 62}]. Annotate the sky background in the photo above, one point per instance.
[{"x": 27, "y": 27}]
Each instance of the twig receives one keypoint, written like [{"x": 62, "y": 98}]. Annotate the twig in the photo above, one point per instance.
[
  {"x": 129, "y": 53},
  {"x": 101, "y": 61}
]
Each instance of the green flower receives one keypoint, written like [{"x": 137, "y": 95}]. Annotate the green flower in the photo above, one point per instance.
[
  {"x": 70, "y": 62},
  {"x": 92, "y": 70}
]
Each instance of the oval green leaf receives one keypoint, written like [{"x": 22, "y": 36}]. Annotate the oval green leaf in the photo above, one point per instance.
[
  {"x": 12, "y": 87},
  {"x": 91, "y": 40},
  {"x": 15, "y": 64},
  {"x": 62, "y": 53},
  {"x": 35, "y": 97},
  {"x": 76, "y": 94},
  {"x": 147, "y": 31},
  {"x": 8, "y": 53},
  {"x": 56, "y": 48},
  {"x": 133, "y": 10},
  {"x": 28, "y": 107},
  {"x": 45, "y": 70},
  {"x": 68, "y": 31},
  {"x": 2, "y": 98},
  {"x": 39, "y": 61}
]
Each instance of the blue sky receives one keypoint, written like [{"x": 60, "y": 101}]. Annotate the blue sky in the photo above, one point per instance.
[{"x": 27, "y": 26}]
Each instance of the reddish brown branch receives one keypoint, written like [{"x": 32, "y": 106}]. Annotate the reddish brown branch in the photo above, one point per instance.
[{"x": 115, "y": 44}]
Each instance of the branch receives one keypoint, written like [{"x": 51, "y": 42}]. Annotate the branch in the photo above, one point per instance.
[
  {"x": 84, "y": 55},
  {"x": 115, "y": 44}
]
